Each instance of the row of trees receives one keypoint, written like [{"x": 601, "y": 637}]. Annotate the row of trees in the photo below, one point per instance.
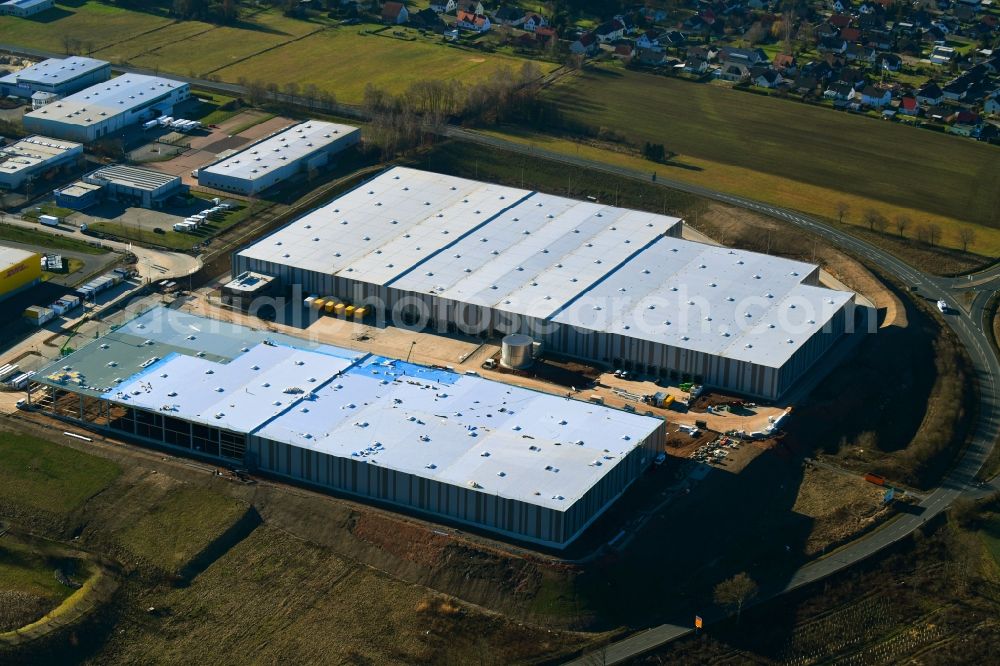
[{"x": 929, "y": 233}]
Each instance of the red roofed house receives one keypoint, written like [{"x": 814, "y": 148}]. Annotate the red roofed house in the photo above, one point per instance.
[
  {"x": 909, "y": 106},
  {"x": 477, "y": 22},
  {"x": 395, "y": 12}
]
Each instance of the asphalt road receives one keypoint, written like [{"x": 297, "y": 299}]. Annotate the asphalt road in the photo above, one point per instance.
[{"x": 968, "y": 324}]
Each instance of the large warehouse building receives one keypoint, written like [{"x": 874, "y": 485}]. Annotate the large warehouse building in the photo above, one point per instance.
[
  {"x": 126, "y": 184},
  {"x": 19, "y": 269},
  {"x": 528, "y": 465},
  {"x": 35, "y": 157},
  {"x": 607, "y": 284},
  {"x": 107, "y": 108},
  {"x": 297, "y": 149},
  {"x": 56, "y": 76}
]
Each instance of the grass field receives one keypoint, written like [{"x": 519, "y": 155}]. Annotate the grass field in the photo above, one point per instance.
[
  {"x": 93, "y": 23},
  {"x": 48, "y": 476},
  {"x": 343, "y": 61},
  {"x": 23, "y": 568},
  {"x": 32, "y": 237},
  {"x": 752, "y": 144},
  {"x": 816, "y": 200},
  {"x": 209, "y": 51},
  {"x": 179, "y": 525}
]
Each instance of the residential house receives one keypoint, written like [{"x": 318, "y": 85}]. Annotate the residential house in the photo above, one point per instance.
[
  {"x": 858, "y": 53},
  {"x": 533, "y": 23},
  {"x": 842, "y": 6},
  {"x": 651, "y": 57},
  {"x": 471, "y": 7},
  {"x": 826, "y": 30},
  {"x": 890, "y": 62},
  {"x": 839, "y": 21},
  {"x": 476, "y": 22},
  {"x": 544, "y": 34},
  {"x": 395, "y": 13},
  {"x": 930, "y": 94},
  {"x": 832, "y": 45},
  {"x": 805, "y": 84},
  {"x": 955, "y": 90},
  {"x": 748, "y": 57},
  {"x": 585, "y": 44},
  {"x": 654, "y": 15},
  {"x": 852, "y": 35},
  {"x": 765, "y": 77},
  {"x": 443, "y": 6},
  {"x": 510, "y": 15},
  {"x": 706, "y": 53},
  {"x": 874, "y": 97},
  {"x": 610, "y": 31},
  {"x": 427, "y": 19},
  {"x": 696, "y": 65},
  {"x": 852, "y": 77},
  {"x": 839, "y": 91},
  {"x": 649, "y": 40},
  {"x": 620, "y": 48},
  {"x": 735, "y": 72},
  {"x": 785, "y": 63},
  {"x": 909, "y": 106},
  {"x": 992, "y": 104}
]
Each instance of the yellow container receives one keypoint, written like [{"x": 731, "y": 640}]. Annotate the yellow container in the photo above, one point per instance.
[
  {"x": 350, "y": 310},
  {"x": 319, "y": 303},
  {"x": 329, "y": 306},
  {"x": 360, "y": 313},
  {"x": 339, "y": 309}
]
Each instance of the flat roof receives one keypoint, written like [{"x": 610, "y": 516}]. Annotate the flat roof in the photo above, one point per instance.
[
  {"x": 134, "y": 177},
  {"x": 249, "y": 281},
  {"x": 78, "y": 189},
  {"x": 33, "y": 152},
  {"x": 55, "y": 71},
  {"x": 108, "y": 99},
  {"x": 280, "y": 149},
  {"x": 555, "y": 259},
  {"x": 10, "y": 256},
  {"x": 24, "y": 3},
  {"x": 458, "y": 429}
]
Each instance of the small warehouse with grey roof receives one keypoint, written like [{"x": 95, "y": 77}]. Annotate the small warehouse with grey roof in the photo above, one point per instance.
[
  {"x": 56, "y": 77},
  {"x": 126, "y": 184},
  {"x": 516, "y": 462},
  {"x": 297, "y": 149},
  {"x": 588, "y": 280},
  {"x": 35, "y": 157},
  {"x": 108, "y": 108}
]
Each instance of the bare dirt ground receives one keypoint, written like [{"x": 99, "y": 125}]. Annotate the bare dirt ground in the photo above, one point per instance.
[{"x": 839, "y": 505}]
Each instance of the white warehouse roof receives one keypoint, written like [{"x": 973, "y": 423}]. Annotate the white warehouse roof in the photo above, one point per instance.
[
  {"x": 556, "y": 259},
  {"x": 280, "y": 149},
  {"x": 33, "y": 152},
  {"x": 55, "y": 71},
  {"x": 458, "y": 429},
  {"x": 9, "y": 256},
  {"x": 106, "y": 100}
]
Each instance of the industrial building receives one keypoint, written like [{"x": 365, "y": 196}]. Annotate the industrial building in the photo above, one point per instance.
[
  {"x": 108, "y": 108},
  {"x": 56, "y": 77},
  {"x": 297, "y": 149},
  {"x": 79, "y": 195},
  {"x": 129, "y": 185},
  {"x": 587, "y": 280},
  {"x": 528, "y": 465},
  {"x": 24, "y": 8},
  {"x": 19, "y": 269},
  {"x": 35, "y": 157}
]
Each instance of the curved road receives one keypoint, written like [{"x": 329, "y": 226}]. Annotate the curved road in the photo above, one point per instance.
[
  {"x": 151, "y": 264},
  {"x": 968, "y": 325}
]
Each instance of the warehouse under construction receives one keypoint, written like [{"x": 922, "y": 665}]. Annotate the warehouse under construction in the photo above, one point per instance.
[
  {"x": 524, "y": 464},
  {"x": 587, "y": 280}
]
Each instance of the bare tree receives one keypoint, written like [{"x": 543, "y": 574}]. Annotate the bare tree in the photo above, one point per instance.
[
  {"x": 967, "y": 237},
  {"x": 903, "y": 222},
  {"x": 842, "y": 210},
  {"x": 291, "y": 90},
  {"x": 933, "y": 233},
  {"x": 735, "y": 592},
  {"x": 873, "y": 219},
  {"x": 880, "y": 223}
]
